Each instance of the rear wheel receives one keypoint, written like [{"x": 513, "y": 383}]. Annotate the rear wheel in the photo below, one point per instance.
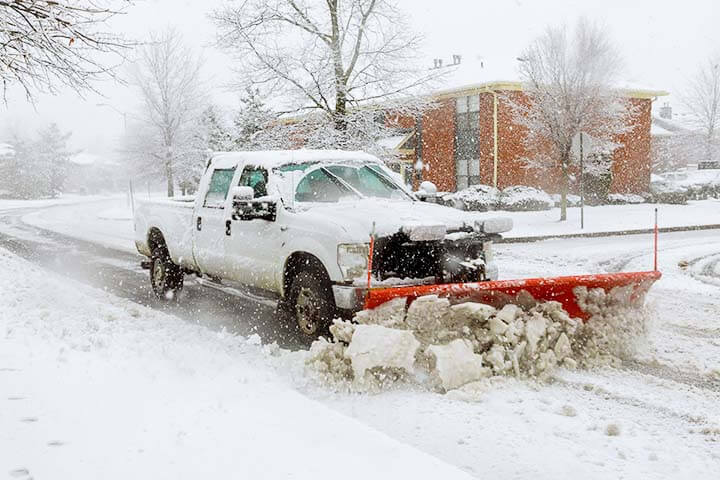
[
  {"x": 166, "y": 278},
  {"x": 311, "y": 304}
]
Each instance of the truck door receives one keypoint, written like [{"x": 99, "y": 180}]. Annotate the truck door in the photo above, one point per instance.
[
  {"x": 253, "y": 246},
  {"x": 209, "y": 223}
]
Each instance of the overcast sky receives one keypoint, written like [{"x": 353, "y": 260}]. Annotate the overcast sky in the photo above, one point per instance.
[{"x": 662, "y": 43}]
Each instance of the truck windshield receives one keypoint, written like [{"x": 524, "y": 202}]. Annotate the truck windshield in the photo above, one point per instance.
[{"x": 368, "y": 180}]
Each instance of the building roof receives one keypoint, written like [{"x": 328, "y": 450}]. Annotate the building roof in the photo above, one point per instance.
[{"x": 477, "y": 75}]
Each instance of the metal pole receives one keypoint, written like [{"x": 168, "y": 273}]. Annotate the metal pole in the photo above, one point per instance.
[
  {"x": 132, "y": 198},
  {"x": 582, "y": 185},
  {"x": 655, "y": 253}
]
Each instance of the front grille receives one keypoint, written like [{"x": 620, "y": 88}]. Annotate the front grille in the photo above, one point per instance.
[{"x": 396, "y": 256}]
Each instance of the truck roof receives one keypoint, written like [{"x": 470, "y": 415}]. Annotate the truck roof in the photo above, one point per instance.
[{"x": 277, "y": 158}]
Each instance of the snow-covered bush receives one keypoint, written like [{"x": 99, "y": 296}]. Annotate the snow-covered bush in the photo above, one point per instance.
[
  {"x": 478, "y": 198},
  {"x": 624, "y": 199},
  {"x": 521, "y": 198},
  {"x": 666, "y": 192},
  {"x": 572, "y": 200}
]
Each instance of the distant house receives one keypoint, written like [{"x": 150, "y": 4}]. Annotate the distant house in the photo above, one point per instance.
[
  {"x": 677, "y": 143},
  {"x": 470, "y": 138}
]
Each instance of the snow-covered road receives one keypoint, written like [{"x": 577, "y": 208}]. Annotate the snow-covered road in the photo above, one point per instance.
[{"x": 663, "y": 404}]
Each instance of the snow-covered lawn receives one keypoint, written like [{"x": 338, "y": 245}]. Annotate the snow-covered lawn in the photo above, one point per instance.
[
  {"x": 92, "y": 386},
  {"x": 613, "y": 218},
  {"x": 68, "y": 199},
  {"x": 107, "y": 223}
]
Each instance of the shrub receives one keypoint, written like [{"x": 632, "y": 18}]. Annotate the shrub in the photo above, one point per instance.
[
  {"x": 520, "y": 198},
  {"x": 572, "y": 200},
  {"x": 624, "y": 198},
  {"x": 665, "y": 192},
  {"x": 477, "y": 198}
]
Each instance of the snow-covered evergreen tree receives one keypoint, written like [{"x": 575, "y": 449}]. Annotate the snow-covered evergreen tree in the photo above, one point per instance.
[
  {"x": 252, "y": 117},
  {"x": 36, "y": 168}
]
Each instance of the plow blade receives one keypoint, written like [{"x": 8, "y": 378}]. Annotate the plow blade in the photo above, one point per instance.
[{"x": 502, "y": 292}]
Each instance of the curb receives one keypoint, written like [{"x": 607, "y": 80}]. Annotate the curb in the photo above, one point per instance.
[{"x": 608, "y": 234}]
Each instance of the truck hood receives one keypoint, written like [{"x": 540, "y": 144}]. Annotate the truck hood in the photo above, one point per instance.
[{"x": 390, "y": 216}]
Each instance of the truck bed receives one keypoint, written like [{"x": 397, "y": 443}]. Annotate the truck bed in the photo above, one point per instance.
[{"x": 174, "y": 218}]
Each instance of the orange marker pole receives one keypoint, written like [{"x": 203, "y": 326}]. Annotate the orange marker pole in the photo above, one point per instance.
[{"x": 370, "y": 257}]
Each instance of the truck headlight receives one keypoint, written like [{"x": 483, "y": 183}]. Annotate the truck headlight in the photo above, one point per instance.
[{"x": 353, "y": 259}]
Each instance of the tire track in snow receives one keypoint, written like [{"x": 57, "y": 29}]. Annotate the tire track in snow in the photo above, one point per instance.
[{"x": 706, "y": 269}]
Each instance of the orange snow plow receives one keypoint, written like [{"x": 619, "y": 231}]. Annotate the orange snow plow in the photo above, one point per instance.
[{"x": 501, "y": 292}]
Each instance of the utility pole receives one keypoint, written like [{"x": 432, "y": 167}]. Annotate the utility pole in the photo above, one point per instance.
[{"x": 582, "y": 186}]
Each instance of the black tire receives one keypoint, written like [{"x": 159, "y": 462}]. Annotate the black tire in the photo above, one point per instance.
[
  {"x": 166, "y": 278},
  {"x": 310, "y": 304}
]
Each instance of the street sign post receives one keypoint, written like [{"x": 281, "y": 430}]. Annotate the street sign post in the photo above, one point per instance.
[{"x": 581, "y": 144}]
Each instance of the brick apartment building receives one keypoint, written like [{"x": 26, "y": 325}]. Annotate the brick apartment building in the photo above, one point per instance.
[{"x": 470, "y": 138}]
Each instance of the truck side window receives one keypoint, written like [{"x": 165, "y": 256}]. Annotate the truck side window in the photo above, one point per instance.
[
  {"x": 256, "y": 178},
  {"x": 219, "y": 186}
]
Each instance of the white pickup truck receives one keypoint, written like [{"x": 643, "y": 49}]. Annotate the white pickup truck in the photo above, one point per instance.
[{"x": 297, "y": 224}]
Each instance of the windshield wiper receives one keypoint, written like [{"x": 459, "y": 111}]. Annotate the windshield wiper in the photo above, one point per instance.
[
  {"x": 339, "y": 181},
  {"x": 387, "y": 180}
]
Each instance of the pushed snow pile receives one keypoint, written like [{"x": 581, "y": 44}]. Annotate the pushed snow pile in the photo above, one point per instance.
[
  {"x": 520, "y": 198},
  {"x": 444, "y": 346},
  {"x": 477, "y": 198}
]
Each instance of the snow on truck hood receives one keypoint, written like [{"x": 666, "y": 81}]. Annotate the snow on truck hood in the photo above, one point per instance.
[{"x": 419, "y": 220}]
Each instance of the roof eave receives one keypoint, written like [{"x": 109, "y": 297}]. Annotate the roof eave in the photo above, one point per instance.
[{"x": 506, "y": 85}]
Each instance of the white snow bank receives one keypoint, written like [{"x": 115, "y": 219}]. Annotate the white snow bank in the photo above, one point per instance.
[
  {"x": 66, "y": 199},
  {"x": 107, "y": 223},
  {"x": 93, "y": 386}
]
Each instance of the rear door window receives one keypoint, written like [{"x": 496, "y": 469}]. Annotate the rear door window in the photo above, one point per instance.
[{"x": 219, "y": 187}]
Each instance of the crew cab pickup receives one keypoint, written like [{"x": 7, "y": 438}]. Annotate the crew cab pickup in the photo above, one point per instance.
[{"x": 298, "y": 224}]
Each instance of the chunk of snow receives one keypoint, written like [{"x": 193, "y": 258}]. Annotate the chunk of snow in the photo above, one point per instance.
[
  {"x": 389, "y": 314},
  {"x": 456, "y": 364},
  {"x": 377, "y": 346}
]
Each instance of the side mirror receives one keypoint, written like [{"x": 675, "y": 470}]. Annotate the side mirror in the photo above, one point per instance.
[
  {"x": 427, "y": 192},
  {"x": 428, "y": 187},
  {"x": 243, "y": 193},
  {"x": 246, "y": 207}
]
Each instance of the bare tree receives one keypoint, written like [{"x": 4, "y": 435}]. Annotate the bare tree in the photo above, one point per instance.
[
  {"x": 324, "y": 56},
  {"x": 702, "y": 99},
  {"x": 46, "y": 42},
  {"x": 168, "y": 76},
  {"x": 568, "y": 88}
]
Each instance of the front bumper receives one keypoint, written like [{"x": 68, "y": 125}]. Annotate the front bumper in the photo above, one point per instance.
[
  {"x": 352, "y": 298},
  {"x": 349, "y": 297}
]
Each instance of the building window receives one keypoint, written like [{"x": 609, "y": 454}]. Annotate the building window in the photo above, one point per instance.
[{"x": 467, "y": 141}]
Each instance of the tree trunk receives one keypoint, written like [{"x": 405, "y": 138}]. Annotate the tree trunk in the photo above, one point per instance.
[
  {"x": 339, "y": 70},
  {"x": 340, "y": 111},
  {"x": 564, "y": 182},
  {"x": 169, "y": 175}
]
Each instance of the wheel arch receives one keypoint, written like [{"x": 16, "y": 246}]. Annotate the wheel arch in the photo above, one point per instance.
[
  {"x": 301, "y": 261},
  {"x": 156, "y": 239}
]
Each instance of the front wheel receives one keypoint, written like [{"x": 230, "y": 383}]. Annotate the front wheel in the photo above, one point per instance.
[
  {"x": 166, "y": 278},
  {"x": 311, "y": 304}
]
